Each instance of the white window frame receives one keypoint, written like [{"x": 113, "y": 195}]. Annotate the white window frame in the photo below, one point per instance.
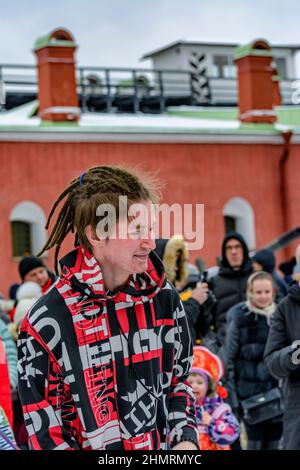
[{"x": 32, "y": 213}]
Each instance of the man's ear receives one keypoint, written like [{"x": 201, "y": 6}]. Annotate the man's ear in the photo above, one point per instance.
[{"x": 92, "y": 237}]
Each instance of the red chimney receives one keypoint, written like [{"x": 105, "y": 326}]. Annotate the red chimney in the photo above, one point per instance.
[
  {"x": 276, "y": 87},
  {"x": 254, "y": 62},
  {"x": 57, "y": 92}
]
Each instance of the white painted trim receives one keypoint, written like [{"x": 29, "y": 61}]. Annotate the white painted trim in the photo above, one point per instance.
[
  {"x": 258, "y": 113},
  {"x": 61, "y": 109},
  {"x": 77, "y": 136}
]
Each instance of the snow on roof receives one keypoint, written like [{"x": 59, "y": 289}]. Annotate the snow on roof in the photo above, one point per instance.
[
  {"x": 200, "y": 124},
  {"x": 21, "y": 117}
]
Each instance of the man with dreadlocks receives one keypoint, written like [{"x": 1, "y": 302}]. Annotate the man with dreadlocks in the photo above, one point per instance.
[{"x": 104, "y": 355}]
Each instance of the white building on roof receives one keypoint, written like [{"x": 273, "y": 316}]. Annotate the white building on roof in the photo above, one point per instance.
[{"x": 218, "y": 61}]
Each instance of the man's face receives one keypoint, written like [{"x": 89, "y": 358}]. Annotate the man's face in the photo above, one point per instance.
[
  {"x": 234, "y": 253},
  {"x": 129, "y": 255},
  {"x": 38, "y": 275}
]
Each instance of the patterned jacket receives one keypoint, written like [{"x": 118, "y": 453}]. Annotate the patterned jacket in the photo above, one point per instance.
[{"x": 104, "y": 370}]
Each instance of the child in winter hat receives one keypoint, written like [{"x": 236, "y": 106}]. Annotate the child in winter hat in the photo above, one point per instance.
[
  {"x": 27, "y": 295},
  {"x": 218, "y": 427}
]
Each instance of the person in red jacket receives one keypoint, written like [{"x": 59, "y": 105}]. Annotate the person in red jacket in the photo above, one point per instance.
[
  {"x": 105, "y": 354},
  {"x": 5, "y": 387},
  {"x": 33, "y": 269}
]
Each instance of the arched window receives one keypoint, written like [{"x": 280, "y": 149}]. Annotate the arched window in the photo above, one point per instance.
[
  {"x": 28, "y": 232},
  {"x": 239, "y": 216},
  {"x": 21, "y": 238}
]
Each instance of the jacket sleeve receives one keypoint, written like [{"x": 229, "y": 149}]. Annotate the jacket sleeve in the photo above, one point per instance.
[
  {"x": 11, "y": 354},
  {"x": 181, "y": 417},
  {"x": 192, "y": 311},
  {"x": 232, "y": 349},
  {"x": 199, "y": 317},
  {"x": 279, "y": 352},
  {"x": 42, "y": 413}
]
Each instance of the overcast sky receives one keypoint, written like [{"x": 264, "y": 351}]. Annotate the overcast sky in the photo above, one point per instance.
[{"x": 119, "y": 32}]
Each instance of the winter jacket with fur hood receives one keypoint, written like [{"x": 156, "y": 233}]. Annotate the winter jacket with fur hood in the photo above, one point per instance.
[
  {"x": 102, "y": 370},
  {"x": 174, "y": 255}
]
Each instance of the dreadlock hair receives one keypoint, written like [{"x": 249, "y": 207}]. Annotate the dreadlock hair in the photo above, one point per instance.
[{"x": 99, "y": 185}]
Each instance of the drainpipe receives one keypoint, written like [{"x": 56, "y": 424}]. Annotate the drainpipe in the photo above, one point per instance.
[{"x": 283, "y": 180}]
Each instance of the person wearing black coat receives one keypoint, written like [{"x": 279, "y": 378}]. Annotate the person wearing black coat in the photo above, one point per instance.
[
  {"x": 281, "y": 360},
  {"x": 174, "y": 255},
  {"x": 247, "y": 375},
  {"x": 229, "y": 285}
]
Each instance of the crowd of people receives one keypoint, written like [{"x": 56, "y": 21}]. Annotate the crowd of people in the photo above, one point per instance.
[{"x": 129, "y": 346}]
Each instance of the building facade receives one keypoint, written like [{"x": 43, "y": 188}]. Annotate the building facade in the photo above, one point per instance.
[{"x": 245, "y": 173}]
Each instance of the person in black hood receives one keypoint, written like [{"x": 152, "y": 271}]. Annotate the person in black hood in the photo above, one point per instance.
[
  {"x": 174, "y": 255},
  {"x": 264, "y": 260},
  {"x": 282, "y": 359},
  {"x": 229, "y": 285},
  {"x": 287, "y": 269}
]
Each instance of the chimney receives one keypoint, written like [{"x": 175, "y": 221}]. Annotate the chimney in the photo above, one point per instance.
[
  {"x": 276, "y": 87},
  {"x": 57, "y": 92},
  {"x": 255, "y": 84}
]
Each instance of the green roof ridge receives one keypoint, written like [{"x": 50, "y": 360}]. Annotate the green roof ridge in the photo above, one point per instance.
[
  {"x": 49, "y": 40},
  {"x": 250, "y": 50}
]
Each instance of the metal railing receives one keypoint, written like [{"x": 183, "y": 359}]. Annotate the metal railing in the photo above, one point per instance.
[
  {"x": 125, "y": 88},
  {"x": 103, "y": 89}
]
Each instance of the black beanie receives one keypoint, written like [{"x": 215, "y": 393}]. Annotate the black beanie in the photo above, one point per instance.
[
  {"x": 266, "y": 258},
  {"x": 28, "y": 264}
]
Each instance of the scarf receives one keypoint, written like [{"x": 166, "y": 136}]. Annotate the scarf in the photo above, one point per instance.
[{"x": 267, "y": 312}]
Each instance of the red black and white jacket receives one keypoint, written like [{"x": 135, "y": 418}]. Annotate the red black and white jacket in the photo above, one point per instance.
[{"x": 103, "y": 370}]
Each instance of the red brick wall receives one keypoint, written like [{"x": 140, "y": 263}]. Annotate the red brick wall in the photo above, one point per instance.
[{"x": 193, "y": 173}]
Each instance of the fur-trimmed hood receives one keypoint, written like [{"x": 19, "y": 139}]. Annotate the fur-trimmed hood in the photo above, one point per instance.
[{"x": 174, "y": 255}]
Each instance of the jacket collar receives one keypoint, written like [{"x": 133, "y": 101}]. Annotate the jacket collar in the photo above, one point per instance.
[{"x": 83, "y": 271}]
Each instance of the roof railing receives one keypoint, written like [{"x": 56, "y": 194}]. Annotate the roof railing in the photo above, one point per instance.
[{"x": 123, "y": 89}]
